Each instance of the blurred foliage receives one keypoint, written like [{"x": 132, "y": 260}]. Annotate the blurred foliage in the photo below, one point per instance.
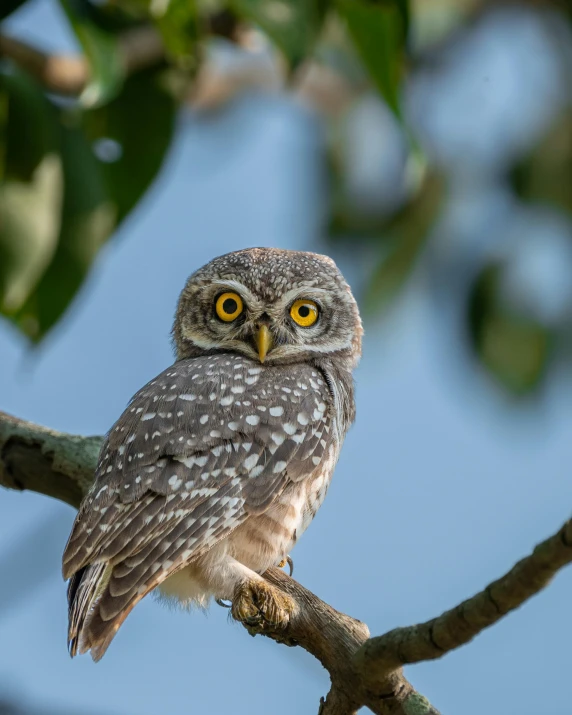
[
  {"x": 70, "y": 175},
  {"x": 72, "y": 169},
  {"x": 379, "y": 31},
  {"x": 177, "y": 21},
  {"x": 102, "y": 53},
  {"x": 8, "y": 7},
  {"x": 294, "y": 26},
  {"x": 545, "y": 175},
  {"x": 405, "y": 235},
  {"x": 514, "y": 348}
]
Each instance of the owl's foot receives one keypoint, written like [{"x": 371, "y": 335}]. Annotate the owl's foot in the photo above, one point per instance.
[
  {"x": 258, "y": 605},
  {"x": 290, "y": 563}
]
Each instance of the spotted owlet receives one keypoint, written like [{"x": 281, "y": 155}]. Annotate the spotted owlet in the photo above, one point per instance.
[{"x": 219, "y": 464}]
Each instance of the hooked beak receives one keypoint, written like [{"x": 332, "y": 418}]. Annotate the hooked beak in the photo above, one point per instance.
[{"x": 263, "y": 338}]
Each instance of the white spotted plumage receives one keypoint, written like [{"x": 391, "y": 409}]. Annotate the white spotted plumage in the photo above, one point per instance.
[{"x": 217, "y": 465}]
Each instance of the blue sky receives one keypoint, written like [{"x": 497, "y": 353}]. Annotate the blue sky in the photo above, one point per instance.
[{"x": 440, "y": 488}]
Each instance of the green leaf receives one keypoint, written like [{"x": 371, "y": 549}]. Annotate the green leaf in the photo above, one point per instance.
[
  {"x": 140, "y": 123},
  {"x": 407, "y": 232},
  {"x": 102, "y": 52},
  {"x": 379, "y": 32},
  {"x": 31, "y": 189},
  {"x": 64, "y": 193},
  {"x": 88, "y": 219},
  {"x": 178, "y": 23},
  {"x": 514, "y": 349},
  {"x": 9, "y": 6},
  {"x": 294, "y": 25},
  {"x": 100, "y": 192},
  {"x": 30, "y": 222},
  {"x": 545, "y": 174},
  {"x": 30, "y": 125}
]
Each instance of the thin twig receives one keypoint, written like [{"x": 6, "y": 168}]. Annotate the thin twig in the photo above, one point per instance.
[
  {"x": 213, "y": 85},
  {"x": 69, "y": 74}
]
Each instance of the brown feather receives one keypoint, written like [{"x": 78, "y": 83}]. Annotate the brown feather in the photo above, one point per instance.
[{"x": 177, "y": 475}]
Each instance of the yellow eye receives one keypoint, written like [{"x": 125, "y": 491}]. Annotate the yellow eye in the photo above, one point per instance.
[
  {"x": 304, "y": 313},
  {"x": 228, "y": 306}
]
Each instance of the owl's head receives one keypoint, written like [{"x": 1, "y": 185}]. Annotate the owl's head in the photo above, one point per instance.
[{"x": 272, "y": 305}]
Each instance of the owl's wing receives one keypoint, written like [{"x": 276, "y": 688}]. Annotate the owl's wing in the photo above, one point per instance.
[{"x": 208, "y": 442}]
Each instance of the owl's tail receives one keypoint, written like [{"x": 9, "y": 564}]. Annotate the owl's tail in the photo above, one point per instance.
[
  {"x": 95, "y": 613},
  {"x": 85, "y": 590},
  {"x": 100, "y": 597}
]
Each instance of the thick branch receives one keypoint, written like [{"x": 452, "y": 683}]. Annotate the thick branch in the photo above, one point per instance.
[
  {"x": 42, "y": 460},
  {"x": 454, "y": 628},
  {"x": 334, "y": 639},
  {"x": 69, "y": 74},
  {"x": 364, "y": 671}
]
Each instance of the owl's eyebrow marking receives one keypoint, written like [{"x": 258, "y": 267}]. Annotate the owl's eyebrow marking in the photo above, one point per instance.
[
  {"x": 310, "y": 292},
  {"x": 239, "y": 288}
]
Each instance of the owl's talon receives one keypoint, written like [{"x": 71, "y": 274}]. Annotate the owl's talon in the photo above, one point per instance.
[
  {"x": 221, "y": 602},
  {"x": 290, "y": 563},
  {"x": 258, "y": 605}
]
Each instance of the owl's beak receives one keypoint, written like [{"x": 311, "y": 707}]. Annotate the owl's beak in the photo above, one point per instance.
[{"x": 263, "y": 338}]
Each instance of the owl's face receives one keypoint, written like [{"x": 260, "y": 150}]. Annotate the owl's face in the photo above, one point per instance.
[{"x": 272, "y": 305}]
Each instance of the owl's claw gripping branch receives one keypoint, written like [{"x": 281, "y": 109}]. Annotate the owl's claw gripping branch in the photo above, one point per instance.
[
  {"x": 363, "y": 670},
  {"x": 219, "y": 464},
  {"x": 259, "y": 606}
]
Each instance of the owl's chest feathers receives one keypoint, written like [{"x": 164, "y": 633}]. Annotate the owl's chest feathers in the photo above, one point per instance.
[
  {"x": 265, "y": 539},
  {"x": 306, "y": 409},
  {"x": 262, "y": 541}
]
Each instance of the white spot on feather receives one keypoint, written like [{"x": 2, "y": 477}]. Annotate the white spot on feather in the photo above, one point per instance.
[{"x": 250, "y": 462}]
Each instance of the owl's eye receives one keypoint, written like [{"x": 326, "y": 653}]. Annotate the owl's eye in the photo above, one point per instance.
[
  {"x": 228, "y": 306},
  {"x": 304, "y": 312}
]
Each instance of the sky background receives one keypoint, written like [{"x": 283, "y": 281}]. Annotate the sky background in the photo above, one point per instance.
[{"x": 441, "y": 485}]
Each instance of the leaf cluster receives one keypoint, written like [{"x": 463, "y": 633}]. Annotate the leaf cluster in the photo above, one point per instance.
[{"x": 72, "y": 168}]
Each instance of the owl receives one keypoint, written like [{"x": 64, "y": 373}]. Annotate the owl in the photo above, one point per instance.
[{"x": 218, "y": 464}]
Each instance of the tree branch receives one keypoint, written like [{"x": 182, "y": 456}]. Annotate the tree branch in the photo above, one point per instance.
[
  {"x": 364, "y": 671},
  {"x": 69, "y": 74},
  {"x": 334, "y": 639},
  {"x": 213, "y": 85},
  {"x": 42, "y": 460},
  {"x": 454, "y": 628}
]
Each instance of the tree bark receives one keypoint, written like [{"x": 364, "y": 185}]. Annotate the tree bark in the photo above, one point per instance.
[{"x": 364, "y": 670}]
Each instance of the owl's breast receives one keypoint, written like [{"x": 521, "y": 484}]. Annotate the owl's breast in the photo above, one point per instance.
[{"x": 264, "y": 540}]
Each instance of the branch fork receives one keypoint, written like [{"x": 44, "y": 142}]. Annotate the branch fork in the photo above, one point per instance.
[{"x": 364, "y": 671}]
